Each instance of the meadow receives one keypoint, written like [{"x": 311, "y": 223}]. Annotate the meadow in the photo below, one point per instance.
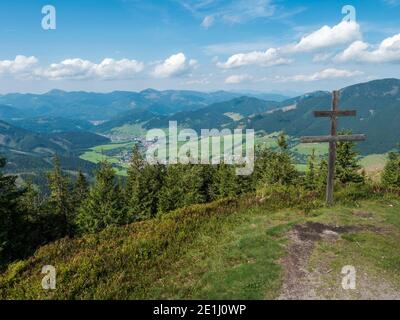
[
  {"x": 230, "y": 249},
  {"x": 372, "y": 164}
]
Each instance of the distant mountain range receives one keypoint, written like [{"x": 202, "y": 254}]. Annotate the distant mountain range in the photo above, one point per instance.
[
  {"x": 104, "y": 106},
  {"x": 377, "y": 104},
  {"x": 35, "y": 127},
  {"x": 216, "y": 115}
]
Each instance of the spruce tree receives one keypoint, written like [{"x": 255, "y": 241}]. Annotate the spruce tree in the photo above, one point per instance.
[
  {"x": 59, "y": 204},
  {"x": 11, "y": 218},
  {"x": 347, "y": 166},
  {"x": 104, "y": 204},
  {"x": 311, "y": 178},
  {"x": 391, "y": 172},
  {"x": 275, "y": 166},
  {"x": 224, "y": 182},
  {"x": 30, "y": 201},
  {"x": 132, "y": 193},
  {"x": 183, "y": 186},
  {"x": 322, "y": 175},
  {"x": 146, "y": 198},
  {"x": 80, "y": 190},
  {"x": 282, "y": 141}
]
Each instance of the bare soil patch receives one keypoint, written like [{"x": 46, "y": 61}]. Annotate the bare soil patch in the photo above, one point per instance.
[
  {"x": 363, "y": 214},
  {"x": 302, "y": 284}
]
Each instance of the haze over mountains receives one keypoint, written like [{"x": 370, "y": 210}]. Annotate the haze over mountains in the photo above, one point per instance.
[
  {"x": 103, "y": 106},
  {"x": 35, "y": 127}
]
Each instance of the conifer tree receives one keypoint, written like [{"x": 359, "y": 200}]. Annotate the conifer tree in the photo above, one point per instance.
[
  {"x": 10, "y": 217},
  {"x": 310, "y": 179},
  {"x": 146, "y": 199},
  {"x": 132, "y": 193},
  {"x": 275, "y": 167},
  {"x": 224, "y": 182},
  {"x": 282, "y": 141},
  {"x": 30, "y": 200},
  {"x": 347, "y": 166},
  {"x": 391, "y": 172},
  {"x": 104, "y": 204},
  {"x": 246, "y": 184},
  {"x": 81, "y": 189},
  {"x": 322, "y": 175},
  {"x": 59, "y": 204},
  {"x": 183, "y": 186}
]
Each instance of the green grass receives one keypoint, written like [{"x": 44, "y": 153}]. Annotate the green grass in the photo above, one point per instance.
[
  {"x": 321, "y": 149},
  {"x": 112, "y": 146},
  {"x": 373, "y": 165},
  {"x": 98, "y": 154},
  {"x": 240, "y": 262},
  {"x": 225, "y": 250},
  {"x": 267, "y": 141},
  {"x": 130, "y": 129},
  {"x": 301, "y": 167},
  {"x": 96, "y": 157},
  {"x": 373, "y": 160}
]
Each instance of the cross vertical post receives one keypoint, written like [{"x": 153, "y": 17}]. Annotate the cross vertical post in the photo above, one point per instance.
[{"x": 332, "y": 150}]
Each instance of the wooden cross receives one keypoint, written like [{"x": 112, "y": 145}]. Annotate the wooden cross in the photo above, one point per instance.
[{"x": 333, "y": 139}]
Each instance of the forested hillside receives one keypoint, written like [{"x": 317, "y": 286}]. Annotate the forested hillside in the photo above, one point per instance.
[
  {"x": 217, "y": 115},
  {"x": 30, "y": 153},
  {"x": 378, "y": 114},
  {"x": 138, "y": 240}
]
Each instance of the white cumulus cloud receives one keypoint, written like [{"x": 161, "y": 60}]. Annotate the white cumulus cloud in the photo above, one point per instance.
[
  {"x": 269, "y": 58},
  {"x": 326, "y": 74},
  {"x": 110, "y": 68},
  {"x": 84, "y": 69},
  {"x": 21, "y": 65},
  {"x": 387, "y": 51},
  {"x": 341, "y": 34},
  {"x": 175, "y": 65},
  {"x": 68, "y": 69},
  {"x": 326, "y": 37}
]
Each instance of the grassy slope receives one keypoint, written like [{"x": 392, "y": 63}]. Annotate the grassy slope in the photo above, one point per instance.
[
  {"x": 225, "y": 250},
  {"x": 373, "y": 165}
]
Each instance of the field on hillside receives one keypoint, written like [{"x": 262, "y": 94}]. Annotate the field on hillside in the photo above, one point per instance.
[
  {"x": 232, "y": 249},
  {"x": 373, "y": 165},
  {"x": 118, "y": 153}
]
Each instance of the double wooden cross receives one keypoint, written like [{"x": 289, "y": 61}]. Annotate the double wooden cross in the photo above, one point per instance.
[{"x": 333, "y": 139}]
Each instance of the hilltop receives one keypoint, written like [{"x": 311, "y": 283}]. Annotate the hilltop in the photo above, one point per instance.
[{"x": 231, "y": 249}]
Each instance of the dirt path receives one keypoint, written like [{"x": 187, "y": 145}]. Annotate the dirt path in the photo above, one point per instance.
[{"x": 301, "y": 283}]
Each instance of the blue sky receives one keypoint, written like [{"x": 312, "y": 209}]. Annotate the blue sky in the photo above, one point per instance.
[{"x": 262, "y": 45}]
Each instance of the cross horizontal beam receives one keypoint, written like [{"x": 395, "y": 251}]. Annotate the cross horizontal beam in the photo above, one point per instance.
[
  {"x": 337, "y": 113},
  {"x": 315, "y": 139}
]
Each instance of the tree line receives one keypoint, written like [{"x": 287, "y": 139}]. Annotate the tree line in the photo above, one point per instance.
[{"x": 29, "y": 219}]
